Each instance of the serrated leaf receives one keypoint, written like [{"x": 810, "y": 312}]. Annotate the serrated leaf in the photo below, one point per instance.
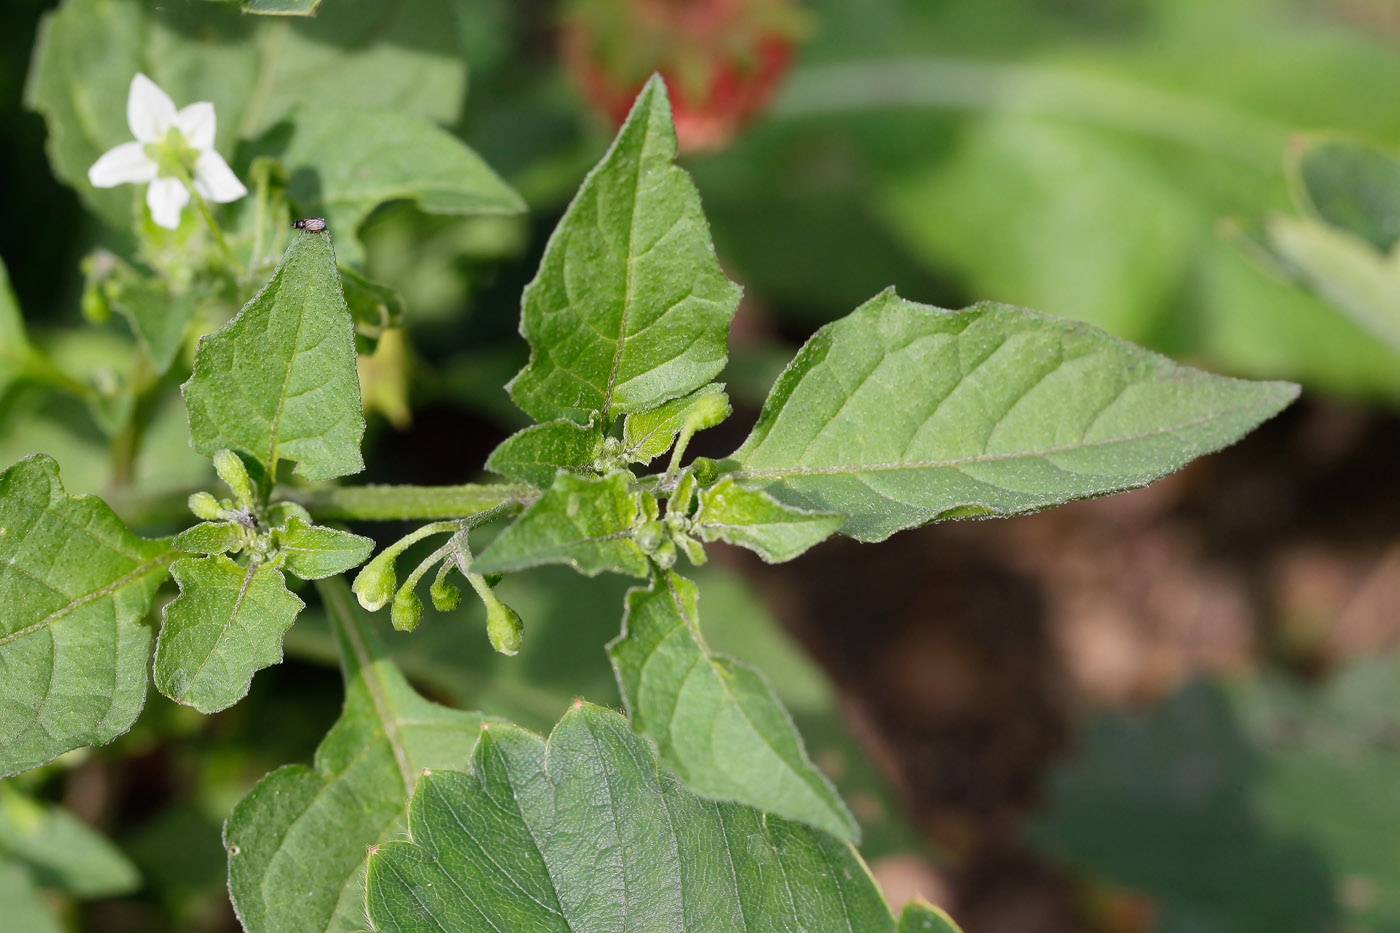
[
  {"x": 630, "y": 307},
  {"x": 1351, "y": 186},
  {"x": 298, "y": 841},
  {"x": 583, "y": 521},
  {"x": 715, "y": 720},
  {"x": 60, "y": 850},
  {"x": 535, "y": 454},
  {"x": 210, "y": 538},
  {"x": 226, "y": 624},
  {"x": 345, "y": 162},
  {"x": 279, "y": 379},
  {"x": 74, "y": 586},
  {"x": 647, "y": 435},
  {"x": 753, "y": 519},
  {"x": 921, "y": 917},
  {"x": 398, "y": 55},
  {"x": 314, "y": 552},
  {"x": 901, "y": 413},
  {"x": 584, "y": 833}
]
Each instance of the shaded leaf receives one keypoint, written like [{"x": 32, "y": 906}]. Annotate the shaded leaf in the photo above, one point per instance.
[
  {"x": 647, "y": 435},
  {"x": 1351, "y": 186},
  {"x": 225, "y": 625},
  {"x": 583, "y": 521},
  {"x": 535, "y": 454},
  {"x": 60, "y": 850},
  {"x": 157, "y": 315},
  {"x": 584, "y": 833},
  {"x": 345, "y": 162},
  {"x": 298, "y": 841},
  {"x": 315, "y": 551},
  {"x": 715, "y": 720},
  {"x": 74, "y": 586},
  {"x": 279, "y": 379},
  {"x": 14, "y": 344},
  {"x": 630, "y": 307},
  {"x": 21, "y": 903},
  {"x": 902, "y": 413},
  {"x": 753, "y": 519},
  {"x": 921, "y": 917}
]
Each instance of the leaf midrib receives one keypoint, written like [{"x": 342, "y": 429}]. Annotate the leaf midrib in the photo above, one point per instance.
[
  {"x": 628, "y": 292},
  {"x": 74, "y": 605}
]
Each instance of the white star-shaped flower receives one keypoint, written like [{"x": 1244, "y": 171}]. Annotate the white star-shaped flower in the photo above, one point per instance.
[{"x": 171, "y": 146}]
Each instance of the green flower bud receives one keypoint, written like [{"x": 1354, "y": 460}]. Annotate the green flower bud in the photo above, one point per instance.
[
  {"x": 374, "y": 584},
  {"x": 406, "y": 610},
  {"x": 705, "y": 470},
  {"x": 503, "y": 626},
  {"x": 205, "y": 506},
  {"x": 445, "y": 596},
  {"x": 665, "y": 555},
  {"x": 235, "y": 475},
  {"x": 649, "y": 536}
]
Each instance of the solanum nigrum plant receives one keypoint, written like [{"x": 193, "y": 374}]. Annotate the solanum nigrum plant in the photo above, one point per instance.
[{"x": 697, "y": 810}]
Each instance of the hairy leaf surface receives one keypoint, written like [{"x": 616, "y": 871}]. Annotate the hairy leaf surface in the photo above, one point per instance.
[
  {"x": 298, "y": 842},
  {"x": 315, "y": 551},
  {"x": 279, "y": 379},
  {"x": 630, "y": 307},
  {"x": 584, "y": 833},
  {"x": 901, "y": 413},
  {"x": 647, "y": 435},
  {"x": 715, "y": 720},
  {"x": 226, "y": 624},
  {"x": 74, "y": 585},
  {"x": 534, "y": 455},
  {"x": 583, "y": 521},
  {"x": 753, "y": 519}
]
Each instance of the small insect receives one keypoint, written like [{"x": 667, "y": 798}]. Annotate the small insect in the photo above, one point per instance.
[{"x": 310, "y": 224}]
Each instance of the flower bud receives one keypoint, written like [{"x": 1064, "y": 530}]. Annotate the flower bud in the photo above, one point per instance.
[
  {"x": 503, "y": 626},
  {"x": 205, "y": 506},
  {"x": 374, "y": 584},
  {"x": 649, "y": 536},
  {"x": 406, "y": 610},
  {"x": 445, "y": 596},
  {"x": 705, "y": 470},
  {"x": 235, "y": 475},
  {"x": 665, "y": 555}
]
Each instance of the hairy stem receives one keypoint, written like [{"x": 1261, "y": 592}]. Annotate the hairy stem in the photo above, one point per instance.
[{"x": 406, "y": 503}]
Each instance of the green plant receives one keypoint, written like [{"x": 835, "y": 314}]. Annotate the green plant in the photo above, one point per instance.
[{"x": 699, "y": 810}]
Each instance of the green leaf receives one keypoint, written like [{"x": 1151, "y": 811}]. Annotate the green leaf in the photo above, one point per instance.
[
  {"x": 21, "y": 903},
  {"x": 60, "y": 850},
  {"x": 715, "y": 720},
  {"x": 298, "y": 841},
  {"x": 157, "y": 315},
  {"x": 583, "y": 521},
  {"x": 630, "y": 307},
  {"x": 537, "y": 453},
  {"x": 584, "y": 833},
  {"x": 345, "y": 162},
  {"x": 14, "y": 344},
  {"x": 279, "y": 379},
  {"x": 225, "y": 625},
  {"x": 74, "y": 586},
  {"x": 753, "y": 519},
  {"x": 647, "y": 435},
  {"x": 315, "y": 551},
  {"x": 400, "y": 55},
  {"x": 921, "y": 917},
  {"x": 902, "y": 413},
  {"x": 1343, "y": 269},
  {"x": 1350, "y": 186},
  {"x": 281, "y": 7},
  {"x": 374, "y": 306},
  {"x": 210, "y": 538}
]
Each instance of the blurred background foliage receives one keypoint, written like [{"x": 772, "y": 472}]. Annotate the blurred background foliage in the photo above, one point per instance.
[{"x": 1171, "y": 710}]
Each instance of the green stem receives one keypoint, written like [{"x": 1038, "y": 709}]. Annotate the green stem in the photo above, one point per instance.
[
  {"x": 1038, "y": 90},
  {"x": 405, "y": 503}
]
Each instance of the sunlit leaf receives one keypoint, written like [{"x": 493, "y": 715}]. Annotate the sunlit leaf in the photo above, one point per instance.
[
  {"x": 74, "y": 586},
  {"x": 753, "y": 519},
  {"x": 901, "y": 413},
  {"x": 535, "y": 454},
  {"x": 715, "y": 720},
  {"x": 647, "y": 435},
  {"x": 314, "y": 551},
  {"x": 279, "y": 381},
  {"x": 584, "y": 832},
  {"x": 630, "y": 307}
]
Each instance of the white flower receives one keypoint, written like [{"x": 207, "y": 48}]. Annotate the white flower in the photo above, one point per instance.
[{"x": 171, "y": 145}]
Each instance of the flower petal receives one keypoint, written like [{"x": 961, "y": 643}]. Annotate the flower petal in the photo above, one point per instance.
[
  {"x": 196, "y": 124},
  {"x": 167, "y": 197},
  {"x": 120, "y": 165},
  {"x": 149, "y": 110},
  {"x": 214, "y": 180}
]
